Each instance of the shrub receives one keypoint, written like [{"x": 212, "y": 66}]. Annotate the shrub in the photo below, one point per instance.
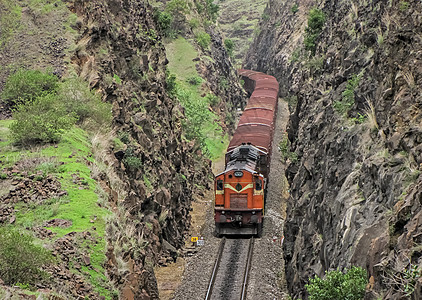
[
  {"x": 213, "y": 100},
  {"x": 164, "y": 20},
  {"x": 42, "y": 120},
  {"x": 338, "y": 285},
  {"x": 203, "y": 39},
  {"x": 316, "y": 20},
  {"x": 194, "y": 80},
  {"x": 295, "y": 8},
  {"x": 131, "y": 160},
  {"x": 229, "y": 45},
  {"x": 25, "y": 85},
  {"x": 76, "y": 97},
  {"x": 21, "y": 259},
  {"x": 194, "y": 23},
  {"x": 212, "y": 10},
  {"x": 170, "y": 84},
  {"x": 348, "y": 95}
]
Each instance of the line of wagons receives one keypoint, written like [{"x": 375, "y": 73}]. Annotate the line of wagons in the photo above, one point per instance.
[{"x": 240, "y": 190}]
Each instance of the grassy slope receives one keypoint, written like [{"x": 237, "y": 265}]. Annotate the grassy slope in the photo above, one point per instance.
[
  {"x": 79, "y": 206},
  {"x": 180, "y": 54}
]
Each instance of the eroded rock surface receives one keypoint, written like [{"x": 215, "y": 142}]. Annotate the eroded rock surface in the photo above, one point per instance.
[{"x": 356, "y": 186}]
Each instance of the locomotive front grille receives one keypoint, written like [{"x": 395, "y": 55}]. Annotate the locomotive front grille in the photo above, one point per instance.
[{"x": 239, "y": 201}]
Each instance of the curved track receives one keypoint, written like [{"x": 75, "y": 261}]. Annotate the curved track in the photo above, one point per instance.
[{"x": 229, "y": 279}]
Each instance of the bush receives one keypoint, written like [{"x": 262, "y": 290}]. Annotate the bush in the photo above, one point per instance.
[
  {"x": 42, "y": 120},
  {"x": 212, "y": 10},
  {"x": 203, "y": 39},
  {"x": 213, "y": 100},
  {"x": 194, "y": 80},
  {"x": 229, "y": 45},
  {"x": 25, "y": 85},
  {"x": 164, "y": 20},
  {"x": 348, "y": 95},
  {"x": 316, "y": 20},
  {"x": 76, "y": 97},
  {"x": 21, "y": 259},
  {"x": 295, "y": 8},
  {"x": 337, "y": 285}
]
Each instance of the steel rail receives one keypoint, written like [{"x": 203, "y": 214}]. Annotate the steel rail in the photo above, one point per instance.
[
  {"x": 215, "y": 269},
  {"x": 247, "y": 268}
]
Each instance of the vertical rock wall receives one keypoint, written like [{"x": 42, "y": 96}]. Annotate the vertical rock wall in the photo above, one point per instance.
[
  {"x": 154, "y": 172},
  {"x": 356, "y": 187}
]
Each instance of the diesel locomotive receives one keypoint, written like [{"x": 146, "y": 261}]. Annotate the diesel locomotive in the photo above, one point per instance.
[{"x": 240, "y": 190}]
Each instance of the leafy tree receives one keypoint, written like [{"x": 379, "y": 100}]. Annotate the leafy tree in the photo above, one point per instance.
[
  {"x": 338, "y": 285},
  {"x": 20, "y": 259},
  {"x": 43, "y": 120},
  {"x": 203, "y": 39},
  {"x": 316, "y": 20},
  {"x": 25, "y": 85},
  {"x": 75, "y": 96},
  {"x": 229, "y": 45}
]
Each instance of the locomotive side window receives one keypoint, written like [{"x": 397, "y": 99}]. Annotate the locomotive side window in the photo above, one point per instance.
[
  {"x": 220, "y": 186},
  {"x": 258, "y": 184}
]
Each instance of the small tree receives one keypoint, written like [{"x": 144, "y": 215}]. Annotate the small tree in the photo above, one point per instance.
[
  {"x": 20, "y": 259},
  {"x": 229, "y": 45},
  {"x": 25, "y": 85},
  {"x": 338, "y": 285},
  {"x": 203, "y": 39},
  {"x": 316, "y": 20},
  {"x": 42, "y": 120}
]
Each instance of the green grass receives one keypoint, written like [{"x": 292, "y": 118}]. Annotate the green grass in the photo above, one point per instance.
[
  {"x": 79, "y": 206},
  {"x": 180, "y": 54}
]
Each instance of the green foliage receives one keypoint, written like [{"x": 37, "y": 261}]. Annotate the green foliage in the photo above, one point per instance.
[
  {"x": 348, "y": 95},
  {"x": 338, "y": 285},
  {"x": 284, "y": 148},
  {"x": 295, "y": 8},
  {"x": 177, "y": 7},
  {"x": 76, "y": 97},
  {"x": 194, "y": 23},
  {"x": 295, "y": 56},
  {"x": 164, "y": 20},
  {"x": 42, "y": 120},
  {"x": 229, "y": 45},
  {"x": 20, "y": 259},
  {"x": 404, "y": 5},
  {"x": 170, "y": 84},
  {"x": 194, "y": 80},
  {"x": 316, "y": 20},
  {"x": 9, "y": 20},
  {"x": 26, "y": 85},
  {"x": 411, "y": 276},
  {"x": 265, "y": 16},
  {"x": 359, "y": 119},
  {"x": 131, "y": 160},
  {"x": 212, "y": 99},
  {"x": 203, "y": 39},
  {"x": 212, "y": 10},
  {"x": 117, "y": 79}
]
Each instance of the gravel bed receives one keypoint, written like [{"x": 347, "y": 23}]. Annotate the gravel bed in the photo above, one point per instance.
[{"x": 267, "y": 271}]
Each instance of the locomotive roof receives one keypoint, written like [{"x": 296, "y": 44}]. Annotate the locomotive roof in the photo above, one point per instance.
[{"x": 244, "y": 157}]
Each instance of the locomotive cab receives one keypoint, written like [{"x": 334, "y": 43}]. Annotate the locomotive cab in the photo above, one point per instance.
[{"x": 239, "y": 193}]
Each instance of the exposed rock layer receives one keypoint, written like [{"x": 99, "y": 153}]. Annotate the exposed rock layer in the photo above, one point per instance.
[
  {"x": 356, "y": 188},
  {"x": 157, "y": 170}
]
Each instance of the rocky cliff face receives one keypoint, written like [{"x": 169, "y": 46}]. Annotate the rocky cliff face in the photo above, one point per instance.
[
  {"x": 154, "y": 172},
  {"x": 356, "y": 186}
]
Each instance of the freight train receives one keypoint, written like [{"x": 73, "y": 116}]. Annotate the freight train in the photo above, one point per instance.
[{"x": 240, "y": 190}]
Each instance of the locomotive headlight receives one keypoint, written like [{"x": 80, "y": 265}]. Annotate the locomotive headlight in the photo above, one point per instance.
[
  {"x": 253, "y": 212},
  {"x": 223, "y": 212},
  {"x": 238, "y": 173}
]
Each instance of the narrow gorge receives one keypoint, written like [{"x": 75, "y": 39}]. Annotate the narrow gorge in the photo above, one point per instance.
[{"x": 115, "y": 196}]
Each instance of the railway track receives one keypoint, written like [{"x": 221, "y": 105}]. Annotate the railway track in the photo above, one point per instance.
[{"x": 229, "y": 279}]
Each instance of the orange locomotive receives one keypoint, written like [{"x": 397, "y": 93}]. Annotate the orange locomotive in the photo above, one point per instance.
[{"x": 240, "y": 189}]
